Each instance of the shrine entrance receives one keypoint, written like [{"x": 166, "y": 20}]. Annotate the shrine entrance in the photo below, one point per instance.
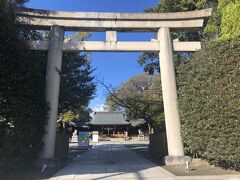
[{"x": 111, "y": 23}]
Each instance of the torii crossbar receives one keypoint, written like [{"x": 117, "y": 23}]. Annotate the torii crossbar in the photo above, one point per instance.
[{"x": 111, "y": 23}]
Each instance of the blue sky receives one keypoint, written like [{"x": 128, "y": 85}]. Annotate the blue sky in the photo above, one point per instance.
[{"x": 112, "y": 68}]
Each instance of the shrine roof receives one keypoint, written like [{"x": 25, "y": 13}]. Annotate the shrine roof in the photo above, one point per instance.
[{"x": 108, "y": 118}]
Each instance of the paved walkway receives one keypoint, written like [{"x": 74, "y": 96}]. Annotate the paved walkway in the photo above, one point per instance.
[
  {"x": 112, "y": 161},
  {"x": 115, "y": 161}
]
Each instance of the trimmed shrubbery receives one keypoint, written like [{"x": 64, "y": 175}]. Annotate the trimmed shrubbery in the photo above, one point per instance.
[
  {"x": 23, "y": 109},
  {"x": 209, "y": 102},
  {"x": 22, "y": 104}
]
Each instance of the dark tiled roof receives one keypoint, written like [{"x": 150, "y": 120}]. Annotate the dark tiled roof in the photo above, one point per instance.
[
  {"x": 108, "y": 118},
  {"x": 79, "y": 124}
]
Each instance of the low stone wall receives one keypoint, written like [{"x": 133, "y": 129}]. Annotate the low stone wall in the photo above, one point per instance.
[
  {"x": 61, "y": 146},
  {"x": 158, "y": 145}
]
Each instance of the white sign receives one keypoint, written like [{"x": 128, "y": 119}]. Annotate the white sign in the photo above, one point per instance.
[{"x": 95, "y": 136}]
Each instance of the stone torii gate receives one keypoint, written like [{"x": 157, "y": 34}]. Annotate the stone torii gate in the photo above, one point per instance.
[{"x": 111, "y": 23}]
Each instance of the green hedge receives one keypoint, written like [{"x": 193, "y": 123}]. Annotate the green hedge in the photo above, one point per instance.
[
  {"x": 22, "y": 105},
  {"x": 225, "y": 21},
  {"x": 230, "y": 24},
  {"x": 209, "y": 102}
]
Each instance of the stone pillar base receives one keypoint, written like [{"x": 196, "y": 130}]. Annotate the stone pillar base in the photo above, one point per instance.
[
  {"x": 177, "y": 160},
  {"x": 48, "y": 162}
]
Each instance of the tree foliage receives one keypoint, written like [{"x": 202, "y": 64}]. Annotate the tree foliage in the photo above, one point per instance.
[
  {"x": 230, "y": 21},
  {"x": 150, "y": 61},
  {"x": 140, "y": 97},
  {"x": 180, "y": 5},
  {"x": 22, "y": 104},
  {"x": 77, "y": 87},
  {"x": 224, "y": 23},
  {"x": 209, "y": 93},
  {"x": 208, "y": 83}
]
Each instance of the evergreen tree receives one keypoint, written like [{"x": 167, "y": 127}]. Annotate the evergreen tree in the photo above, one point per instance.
[
  {"x": 22, "y": 81},
  {"x": 22, "y": 106},
  {"x": 77, "y": 87},
  {"x": 209, "y": 93}
]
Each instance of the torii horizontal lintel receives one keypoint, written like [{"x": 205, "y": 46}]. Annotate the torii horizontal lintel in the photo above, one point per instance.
[
  {"x": 118, "y": 46},
  {"x": 115, "y": 16},
  {"x": 98, "y": 21}
]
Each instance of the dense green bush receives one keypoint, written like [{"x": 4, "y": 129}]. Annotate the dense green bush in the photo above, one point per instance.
[
  {"x": 230, "y": 26},
  {"x": 22, "y": 104},
  {"x": 209, "y": 102},
  {"x": 209, "y": 84},
  {"x": 23, "y": 108},
  {"x": 225, "y": 21}
]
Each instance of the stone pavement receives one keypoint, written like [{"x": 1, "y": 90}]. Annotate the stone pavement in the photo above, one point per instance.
[{"x": 115, "y": 161}]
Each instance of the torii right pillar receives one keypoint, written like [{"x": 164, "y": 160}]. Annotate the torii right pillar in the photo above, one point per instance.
[{"x": 169, "y": 90}]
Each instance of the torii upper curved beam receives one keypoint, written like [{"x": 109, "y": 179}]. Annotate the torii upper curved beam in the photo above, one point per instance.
[{"x": 98, "y": 21}]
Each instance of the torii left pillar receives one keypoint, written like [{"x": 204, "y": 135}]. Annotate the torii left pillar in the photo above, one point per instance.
[{"x": 52, "y": 88}]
